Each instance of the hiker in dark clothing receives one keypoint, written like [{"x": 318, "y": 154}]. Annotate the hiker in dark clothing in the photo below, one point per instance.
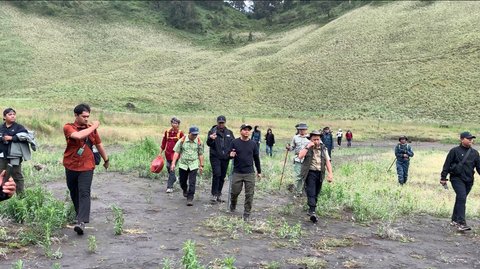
[
  {"x": 219, "y": 141},
  {"x": 327, "y": 140},
  {"x": 269, "y": 141},
  {"x": 460, "y": 164},
  {"x": 257, "y": 136},
  {"x": 245, "y": 154},
  {"x": 8, "y": 188},
  {"x": 403, "y": 152},
  {"x": 315, "y": 162}
]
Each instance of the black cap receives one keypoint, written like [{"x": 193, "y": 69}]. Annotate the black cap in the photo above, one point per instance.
[
  {"x": 193, "y": 130},
  {"x": 221, "y": 118},
  {"x": 301, "y": 126},
  {"x": 467, "y": 135},
  {"x": 402, "y": 137},
  {"x": 246, "y": 126}
]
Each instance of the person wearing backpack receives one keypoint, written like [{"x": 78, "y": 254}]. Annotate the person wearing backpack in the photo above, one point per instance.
[
  {"x": 403, "y": 153},
  {"x": 219, "y": 141},
  {"x": 170, "y": 139},
  {"x": 79, "y": 162},
  {"x": 460, "y": 164},
  {"x": 315, "y": 162},
  {"x": 189, "y": 154}
]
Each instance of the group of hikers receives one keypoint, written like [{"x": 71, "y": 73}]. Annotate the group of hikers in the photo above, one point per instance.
[{"x": 311, "y": 162}]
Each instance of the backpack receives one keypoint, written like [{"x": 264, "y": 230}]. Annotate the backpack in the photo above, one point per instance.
[
  {"x": 168, "y": 134},
  {"x": 199, "y": 142}
]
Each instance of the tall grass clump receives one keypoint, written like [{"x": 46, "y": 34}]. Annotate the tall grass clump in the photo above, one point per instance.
[
  {"x": 118, "y": 219},
  {"x": 190, "y": 259},
  {"x": 137, "y": 157}
]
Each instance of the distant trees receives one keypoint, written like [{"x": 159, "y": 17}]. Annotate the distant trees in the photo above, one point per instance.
[{"x": 183, "y": 15}]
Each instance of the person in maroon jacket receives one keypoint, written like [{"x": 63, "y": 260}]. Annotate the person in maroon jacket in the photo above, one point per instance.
[
  {"x": 170, "y": 138},
  {"x": 349, "y": 137}
]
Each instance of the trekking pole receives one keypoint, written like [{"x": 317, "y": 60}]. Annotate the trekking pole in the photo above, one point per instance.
[
  {"x": 283, "y": 170},
  {"x": 230, "y": 177},
  {"x": 391, "y": 165}
]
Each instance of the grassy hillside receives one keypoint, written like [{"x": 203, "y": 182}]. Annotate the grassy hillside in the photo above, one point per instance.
[{"x": 401, "y": 60}]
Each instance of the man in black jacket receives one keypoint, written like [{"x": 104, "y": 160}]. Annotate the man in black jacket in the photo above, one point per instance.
[
  {"x": 8, "y": 188},
  {"x": 219, "y": 140},
  {"x": 460, "y": 164}
]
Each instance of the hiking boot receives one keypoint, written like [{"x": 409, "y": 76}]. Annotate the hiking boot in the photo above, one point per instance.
[
  {"x": 213, "y": 199},
  {"x": 169, "y": 190},
  {"x": 185, "y": 194},
  {"x": 463, "y": 227},
  {"x": 220, "y": 200},
  {"x": 246, "y": 217},
  {"x": 232, "y": 208},
  {"x": 190, "y": 202},
  {"x": 79, "y": 228},
  {"x": 313, "y": 218},
  {"x": 453, "y": 223}
]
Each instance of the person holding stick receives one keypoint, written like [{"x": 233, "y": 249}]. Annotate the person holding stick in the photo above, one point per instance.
[{"x": 299, "y": 141}]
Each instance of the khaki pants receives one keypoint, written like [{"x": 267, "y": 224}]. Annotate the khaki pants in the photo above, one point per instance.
[
  {"x": 238, "y": 180},
  {"x": 16, "y": 174}
]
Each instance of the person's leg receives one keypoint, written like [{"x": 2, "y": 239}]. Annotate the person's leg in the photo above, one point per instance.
[
  {"x": 249, "y": 180},
  {"x": 216, "y": 173},
  {"x": 318, "y": 186},
  {"x": 18, "y": 178},
  {"x": 223, "y": 174},
  {"x": 237, "y": 185},
  {"x": 84, "y": 201},
  {"x": 171, "y": 175},
  {"x": 182, "y": 178},
  {"x": 297, "y": 168},
  {"x": 399, "y": 171},
  {"x": 460, "y": 189},
  {"x": 405, "y": 171},
  {"x": 310, "y": 188},
  {"x": 72, "y": 185},
  {"x": 192, "y": 182}
]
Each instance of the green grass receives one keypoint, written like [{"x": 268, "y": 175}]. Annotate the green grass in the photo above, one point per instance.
[{"x": 376, "y": 62}]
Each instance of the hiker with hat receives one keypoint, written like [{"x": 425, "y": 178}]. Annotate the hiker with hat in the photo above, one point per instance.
[
  {"x": 403, "y": 153},
  {"x": 299, "y": 141},
  {"x": 245, "y": 155},
  {"x": 189, "y": 154},
  {"x": 170, "y": 139},
  {"x": 219, "y": 141},
  {"x": 460, "y": 164},
  {"x": 315, "y": 162}
]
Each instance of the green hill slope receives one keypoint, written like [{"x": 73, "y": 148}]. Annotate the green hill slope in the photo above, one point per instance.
[{"x": 402, "y": 60}]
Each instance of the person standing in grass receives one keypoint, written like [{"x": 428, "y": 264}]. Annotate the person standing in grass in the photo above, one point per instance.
[
  {"x": 339, "y": 137},
  {"x": 269, "y": 141},
  {"x": 327, "y": 140},
  {"x": 315, "y": 162},
  {"x": 299, "y": 141},
  {"x": 8, "y": 135},
  {"x": 189, "y": 153},
  {"x": 460, "y": 164},
  {"x": 257, "y": 136},
  {"x": 79, "y": 162},
  {"x": 403, "y": 153},
  {"x": 245, "y": 155},
  {"x": 8, "y": 188},
  {"x": 170, "y": 138},
  {"x": 219, "y": 141},
  {"x": 349, "y": 137}
]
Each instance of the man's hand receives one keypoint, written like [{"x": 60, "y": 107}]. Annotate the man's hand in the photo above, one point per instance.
[
  {"x": 7, "y": 138},
  {"x": 106, "y": 164},
  {"x": 259, "y": 176},
  {"x": 172, "y": 166},
  {"x": 200, "y": 169},
  {"x": 213, "y": 136},
  {"x": 443, "y": 182},
  {"x": 233, "y": 153},
  {"x": 310, "y": 144},
  {"x": 95, "y": 124},
  {"x": 330, "y": 177},
  {"x": 9, "y": 187},
  {"x": 288, "y": 147}
]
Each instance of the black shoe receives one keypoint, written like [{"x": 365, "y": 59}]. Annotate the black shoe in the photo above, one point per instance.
[
  {"x": 232, "y": 208},
  {"x": 185, "y": 194},
  {"x": 79, "y": 228},
  {"x": 246, "y": 217},
  {"x": 190, "y": 202},
  {"x": 313, "y": 218},
  {"x": 463, "y": 227},
  {"x": 220, "y": 200}
]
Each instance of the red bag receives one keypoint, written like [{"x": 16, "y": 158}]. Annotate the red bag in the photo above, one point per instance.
[{"x": 157, "y": 165}]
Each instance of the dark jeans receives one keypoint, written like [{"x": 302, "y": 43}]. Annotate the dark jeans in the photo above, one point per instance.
[
  {"x": 329, "y": 150},
  {"x": 402, "y": 171},
  {"x": 339, "y": 141},
  {"x": 171, "y": 175},
  {"x": 80, "y": 184},
  {"x": 16, "y": 174},
  {"x": 219, "y": 171},
  {"x": 349, "y": 142},
  {"x": 238, "y": 180},
  {"x": 269, "y": 150},
  {"x": 191, "y": 177},
  {"x": 313, "y": 186},
  {"x": 462, "y": 188}
]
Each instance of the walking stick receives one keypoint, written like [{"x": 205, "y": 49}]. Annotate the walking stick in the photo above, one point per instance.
[
  {"x": 391, "y": 165},
  {"x": 230, "y": 177},
  {"x": 283, "y": 170}
]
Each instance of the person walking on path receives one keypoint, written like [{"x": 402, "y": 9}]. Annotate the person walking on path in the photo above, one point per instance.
[
  {"x": 245, "y": 155},
  {"x": 189, "y": 153},
  {"x": 315, "y": 162},
  {"x": 269, "y": 141},
  {"x": 170, "y": 139},
  {"x": 403, "y": 153},
  {"x": 219, "y": 141},
  {"x": 8, "y": 187},
  {"x": 257, "y": 136},
  {"x": 339, "y": 137},
  {"x": 327, "y": 140},
  {"x": 460, "y": 164},
  {"x": 79, "y": 162},
  {"x": 349, "y": 137},
  {"x": 299, "y": 141},
  {"x": 8, "y": 135}
]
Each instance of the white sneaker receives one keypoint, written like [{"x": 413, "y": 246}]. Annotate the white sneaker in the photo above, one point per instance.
[{"x": 169, "y": 190}]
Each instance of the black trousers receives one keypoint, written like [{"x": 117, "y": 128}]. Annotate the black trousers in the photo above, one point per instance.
[
  {"x": 462, "y": 189},
  {"x": 16, "y": 174},
  {"x": 219, "y": 171},
  {"x": 191, "y": 177},
  {"x": 79, "y": 184},
  {"x": 313, "y": 186}
]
